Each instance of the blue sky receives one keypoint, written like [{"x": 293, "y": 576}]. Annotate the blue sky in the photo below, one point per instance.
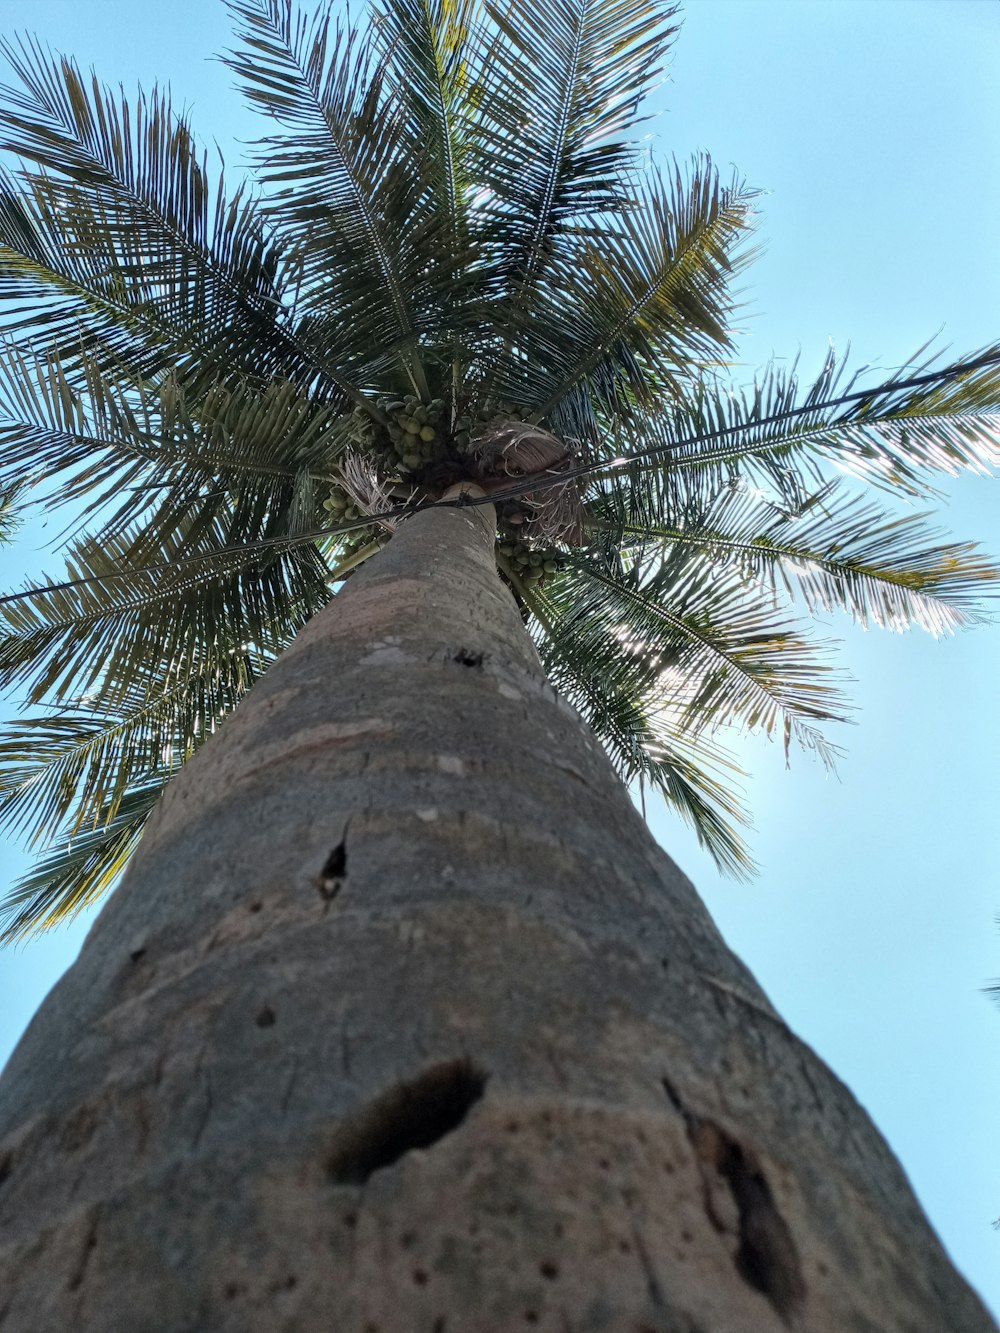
[{"x": 873, "y": 129}]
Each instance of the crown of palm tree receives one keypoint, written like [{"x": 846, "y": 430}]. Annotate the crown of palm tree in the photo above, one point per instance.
[{"x": 456, "y": 264}]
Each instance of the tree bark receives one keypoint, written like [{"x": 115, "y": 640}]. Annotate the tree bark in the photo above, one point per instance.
[{"x": 400, "y": 1022}]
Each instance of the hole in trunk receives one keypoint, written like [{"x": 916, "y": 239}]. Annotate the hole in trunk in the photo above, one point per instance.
[
  {"x": 466, "y": 657},
  {"x": 767, "y": 1258},
  {"x": 411, "y": 1115},
  {"x": 334, "y": 872}
]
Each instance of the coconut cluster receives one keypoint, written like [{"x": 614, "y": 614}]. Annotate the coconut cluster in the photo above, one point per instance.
[
  {"x": 433, "y": 444},
  {"x": 340, "y": 507},
  {"x": 416, "y": 435},
  {"x": 530, "y": 563}
]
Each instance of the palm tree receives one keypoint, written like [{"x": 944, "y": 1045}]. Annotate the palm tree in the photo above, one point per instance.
[{"x": 400, "y": 1020}]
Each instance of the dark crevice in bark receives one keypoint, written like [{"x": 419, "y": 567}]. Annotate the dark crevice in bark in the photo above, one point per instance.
[
  {"x": 5, "y": 1165},
  {"x": 466, "y": 657},
  {"x": 334, "y": 872},
  {"x": 653, "y": 1289},
  {"x": 675, "y": 1100},
  {"x": 415, "y": 1114},
  {"x": 79, "y": 1273},
  {"x": 767, "y": 1258}
]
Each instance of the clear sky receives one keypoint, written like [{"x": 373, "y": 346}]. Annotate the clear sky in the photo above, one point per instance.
[{"x": 873, "y": 127}]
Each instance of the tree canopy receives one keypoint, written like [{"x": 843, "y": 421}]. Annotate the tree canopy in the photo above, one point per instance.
[{"x": 454, "y": 260}]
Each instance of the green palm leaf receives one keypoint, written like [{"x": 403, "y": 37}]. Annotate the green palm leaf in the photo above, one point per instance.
[
  {"x": 78, "y": 871},
  {"x": 70, "y": 770},
  {"x": 99, "y": 434},
  {"x": 631, "y": 309},
  {"x": 949, "y": 421},
  {"x": 100, "y": 634},
  {"x": 429, "y": 50},
  {"x": 122, "y": 226},
  {"x": 643, "y": 724},
  {"x": 9, "y": 517},
  {"x": 349, "y": 200},
  {"x": 836, "y": 551},
  {"x": 563, "y": 93},
  {"x": 732, "y": 656}
]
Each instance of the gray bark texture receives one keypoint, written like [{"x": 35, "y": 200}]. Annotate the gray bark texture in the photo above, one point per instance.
[{"x": 400, "y": 1022}]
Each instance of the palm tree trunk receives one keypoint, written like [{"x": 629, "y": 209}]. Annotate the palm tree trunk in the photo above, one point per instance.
[{"x": 400, "y": 1022}]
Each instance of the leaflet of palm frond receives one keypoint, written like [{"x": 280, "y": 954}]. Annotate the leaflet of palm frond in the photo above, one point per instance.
[
  {"x": 742, "y": 659},
  {"x": 431, "y": 49},
  {"x": 60, "y": 301},
  {"x": 643, "y": 728},
  {"x": 63, "y": 642},
  {"x": 10, "y": 519},
  {"x": 278, "y": 428},
  {"x": 122, "y": 222},
  {"x": 115, "y": 439},
  {"x": 69, "y": 768},
  {"x": 79, "y": 871},
  {"x": 891, "y": 439},
  {"x": 349, "y": 194},
  {"x": 646, "y": 298},
  {"x": 573, "y": 418},
  {"x": 835, "y": 551},
  {"x": 559, "y": 107}
]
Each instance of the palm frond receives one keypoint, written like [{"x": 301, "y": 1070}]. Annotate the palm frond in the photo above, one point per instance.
[
  {"x": 732, "y": 657},
  {"x": 429, "y": 48},
  {"x": 627, "y": 703},
  {"x": 349, "y": 199},
  {"x": 101, "y": 437},
  {"x": 69, "y": 770},
  {"x": 633, "y": 307},
  {"x": 563, "y": 92},
  {"x": 58, "y": 643},
  {"x": 9, "y": 516},
  {"x": 122, "y": 229},
  {"x": 890, "y": 437},
  {"x": 836, "y": 550},
  {"x": 79, "y": 871}
]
